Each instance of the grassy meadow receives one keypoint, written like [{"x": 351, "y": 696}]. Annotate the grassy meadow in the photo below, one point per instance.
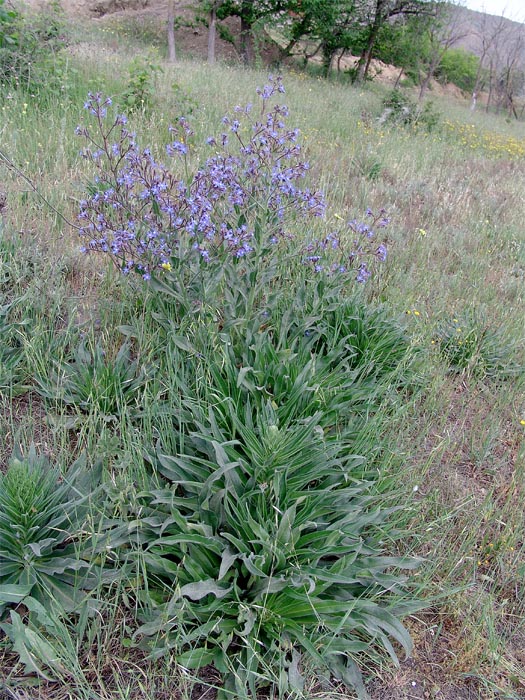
[{"x": 288, "y": 408}]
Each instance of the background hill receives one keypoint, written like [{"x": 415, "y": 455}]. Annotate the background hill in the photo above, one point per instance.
[{"x": 477, "y": 23}]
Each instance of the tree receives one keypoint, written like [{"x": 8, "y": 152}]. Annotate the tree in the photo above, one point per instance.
[
  {"x": 506, "y": 62},
  {"x": 459, "y": 67},
  {"x": 375, "y": 15},
  {"x": 206, "y": 13},
  {"x": 442, "y": 35},
  {"x": 252, "y": 13},
  {"x": 488, "y": 33},
  {"x": 331, "y": 25},
  {"x": 403, "y": 44},
  {"x": 511, "y": 77},
  {"x": 212, "y": 30}
]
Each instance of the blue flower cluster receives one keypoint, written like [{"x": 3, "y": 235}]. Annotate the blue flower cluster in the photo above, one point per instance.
[
  {"x": 245, "y": 196},
  {"x": 339, "y": 252}
]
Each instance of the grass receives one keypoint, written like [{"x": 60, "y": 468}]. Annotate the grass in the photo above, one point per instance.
[{"x": 455, "y": 447}]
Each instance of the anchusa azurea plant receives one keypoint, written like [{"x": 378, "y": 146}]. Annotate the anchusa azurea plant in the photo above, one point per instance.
[
  {"x": 264, "y": 554},
  {"x": 45, "y": 545},
  {"x": 235, "y": 208}
]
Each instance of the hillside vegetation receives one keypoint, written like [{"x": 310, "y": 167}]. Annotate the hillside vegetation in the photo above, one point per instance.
[
  {"x": 428, "y": 43},
  {"x": 262, "y": 424}
]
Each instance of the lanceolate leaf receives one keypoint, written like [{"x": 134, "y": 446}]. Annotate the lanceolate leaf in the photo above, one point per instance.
[
  {"x": 13, "y": 593},
  {"x": 201, "y": 589},
  {"x": 24, "y": 641},
  {"x": 346, "y": 669},
  {"x": 197, "y": 658}
]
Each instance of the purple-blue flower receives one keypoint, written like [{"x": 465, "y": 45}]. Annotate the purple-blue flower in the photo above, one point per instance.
[{"x": 251, "y": 192}]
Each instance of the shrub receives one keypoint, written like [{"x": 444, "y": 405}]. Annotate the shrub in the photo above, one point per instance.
[
  {"x": 366, "y": 163},
  {"x": 264, "y": 552},
  {"x": 8, "y": 26},
  {"x": 321, "y": 356},
  {"x": 266, "y": 546},
  {"x": 400, "y": 109},
  {"x": 459, "y": 67},
  {"x": 12, "y": 372},
  {"x": 31, "y": 50},
  {"x": 140, "y": 88},
  {"x": 225, "y": 220},
  {"x": 40, "y": 636},
  {"x": 373, "y": 344},
  {"x": 16, "y": 268}
]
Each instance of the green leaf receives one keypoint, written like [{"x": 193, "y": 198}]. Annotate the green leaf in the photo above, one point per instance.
[
  {"x": 128, "y": 331},
  {"x": 183, "y": 538},
  {"x": 196, "y": 658},
  {"x": 201, "y": 589},
  {"x": 241, "y": 378},
  {"x": 228, "y": 558},
  {"x": 13, "y": 593},
  {"x": 29, "y": 646},
  {"x": 286, "y": 535},
  {"x": 295, "y": 678},
  {"x": 346, "y": 670},
  {"x": 182, "y": 343}
]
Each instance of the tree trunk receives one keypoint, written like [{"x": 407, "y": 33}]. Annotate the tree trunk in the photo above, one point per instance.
[
  {"x": 430, "y": 74},
  {"x": 476, "y": 86},
  {"x": 328, "y": 57},
  {"x": 491, "y": 87},
  {"x": 398, "y": 79},
  {"x": 339, "y": 59},
  {"x": 212, "y": 33},
  {"x": 424, "y": 86},
  {"x": 246, "y": 36},
  {"x": 509, "y": 98},
  {"x": 172, "y": 56},
  {"x": 363, "y": 64},
  {"x": 298, "y": 31},
  {"x": 285, "y": 52}
]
